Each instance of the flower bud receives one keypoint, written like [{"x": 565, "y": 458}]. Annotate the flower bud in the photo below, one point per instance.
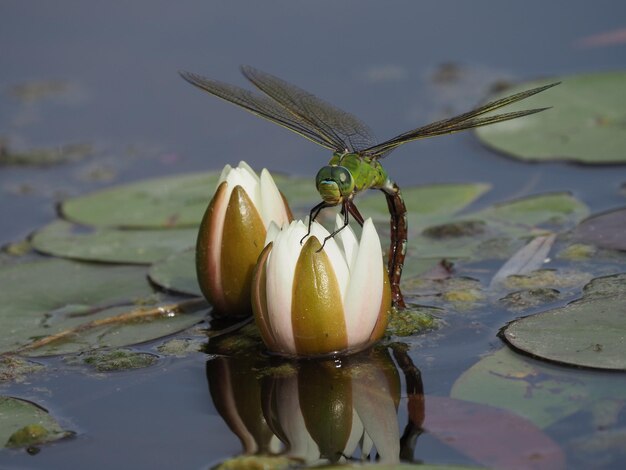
[
  {"x": 309, "y": 301},
  {"x": 232, "y": 234}
]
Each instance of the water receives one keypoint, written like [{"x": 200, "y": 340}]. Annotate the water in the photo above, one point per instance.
[{"x": 121, "y": 93}]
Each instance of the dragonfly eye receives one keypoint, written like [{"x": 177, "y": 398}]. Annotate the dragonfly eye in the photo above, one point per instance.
[{"x": 334, "y": 183}]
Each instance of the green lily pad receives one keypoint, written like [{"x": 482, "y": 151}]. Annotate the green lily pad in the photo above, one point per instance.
[
  {"x": 25, "y": 424},
  {"x": 109, "y": 245},
  {"x": 426, "y": 205},
  {"x": 178, "y": 201},
  {"x": 586, "y": 124},
  {"x": 156, "y": 203},
  {"x": 177, "y": 273},
  {"x": 49, "y": 297},
  {"x": 586, "y": 333},
  {"x": 605, "y": 230},
  {"x": 541, "y": 393},
  {"x": 498, "y": 231},
  {"x": 553, "y": 210}
]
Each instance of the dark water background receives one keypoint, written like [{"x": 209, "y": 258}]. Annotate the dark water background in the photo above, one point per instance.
[{"x": 395, "y": 64}]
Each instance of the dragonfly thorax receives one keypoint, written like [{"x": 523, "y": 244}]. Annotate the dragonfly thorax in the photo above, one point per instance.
[{"x": 334, "y": 183}]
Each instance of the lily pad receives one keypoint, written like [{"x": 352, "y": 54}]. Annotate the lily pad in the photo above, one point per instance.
[
  {"x": 586, "y": 333},
  {"x": 25, "y": 424},
  {"x": 61, "y": 238},
  {"x": 606, "y": 230},
  {"x": 552, "y": 210},
  {"x": 47, "y": 298},
  {"x": 178, "y": 201},
  {"x": 177, "y": 273},
  {"x": 426, "y": 205},
  {"x": 587, "y": 122},
  {"x": 541, "y": 393},
  {"x": 504, "y": 228},
  {"x": 157, "y": 203}
]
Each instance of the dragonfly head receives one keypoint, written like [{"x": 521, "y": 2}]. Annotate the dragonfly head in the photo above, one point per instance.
[{"x": 334, "y": 183}]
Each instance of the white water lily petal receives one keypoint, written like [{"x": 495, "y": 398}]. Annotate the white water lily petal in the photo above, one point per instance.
[
  {"x": 272, "y": 232},
  {"x": 349, "y": 242},
  {"x": 227, "y": 169},
  {"x": 280, "y": 270},
  {"x": 249, "y": 182},
  {"x": 244, "y": 166},
  {"x": 272, "y": 205},
  {"x": 365, "y": 291}
]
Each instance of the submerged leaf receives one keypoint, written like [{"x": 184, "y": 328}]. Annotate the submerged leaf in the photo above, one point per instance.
[
  {"x": 24, "y": 424},
  {"x": 606, "y": 230},
  {"x": 586, "y": 123},
  {"x": 586, "y": 333},
  {"x": 492, "y": 437},
  {"x": 539, "y": 392}
]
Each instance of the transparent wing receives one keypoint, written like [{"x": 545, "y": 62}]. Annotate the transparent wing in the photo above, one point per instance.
[
  {"x": 343, "y": 129},
  {"x": 261, "y": 106},
  {"x": 461, "y": 122}
]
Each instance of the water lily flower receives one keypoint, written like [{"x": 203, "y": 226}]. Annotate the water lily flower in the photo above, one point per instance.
[
  {"x": 310, "y": 301},
  {"x": 232, "y": 235}
]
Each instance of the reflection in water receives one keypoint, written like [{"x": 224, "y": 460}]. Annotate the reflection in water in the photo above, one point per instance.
[{"x": 319, "y": 411}]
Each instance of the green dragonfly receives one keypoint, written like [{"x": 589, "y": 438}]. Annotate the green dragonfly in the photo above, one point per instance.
[{"x": 355, "y": 164}]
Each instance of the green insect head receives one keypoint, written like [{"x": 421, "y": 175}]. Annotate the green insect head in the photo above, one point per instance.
[{"x": 334, "y": 183}]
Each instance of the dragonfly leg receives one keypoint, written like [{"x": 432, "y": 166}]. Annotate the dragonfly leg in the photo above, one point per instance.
[
  {"x": 345, "y": 211},
  {"x": 313, "y": 215},
  {"x": 352, "y": 209},
  {"x": 397, "y": 247}
]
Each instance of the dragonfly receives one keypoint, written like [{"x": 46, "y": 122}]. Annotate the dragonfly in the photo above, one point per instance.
[{"x": 355, "y": 163}]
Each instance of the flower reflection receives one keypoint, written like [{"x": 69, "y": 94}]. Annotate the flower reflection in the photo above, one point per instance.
[{"x": 316, "y": 412}]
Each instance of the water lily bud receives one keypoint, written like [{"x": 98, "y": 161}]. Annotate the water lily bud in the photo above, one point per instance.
[
  {"x": 232, "y": 234},
  {"x": 313, "y": 302}
]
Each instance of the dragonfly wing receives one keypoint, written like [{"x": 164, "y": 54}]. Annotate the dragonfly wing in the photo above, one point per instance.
[
  {"x": 259, "y": 105},
  {"x": 345, "y": 130},
  {"x": 461, "y": 122}
]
